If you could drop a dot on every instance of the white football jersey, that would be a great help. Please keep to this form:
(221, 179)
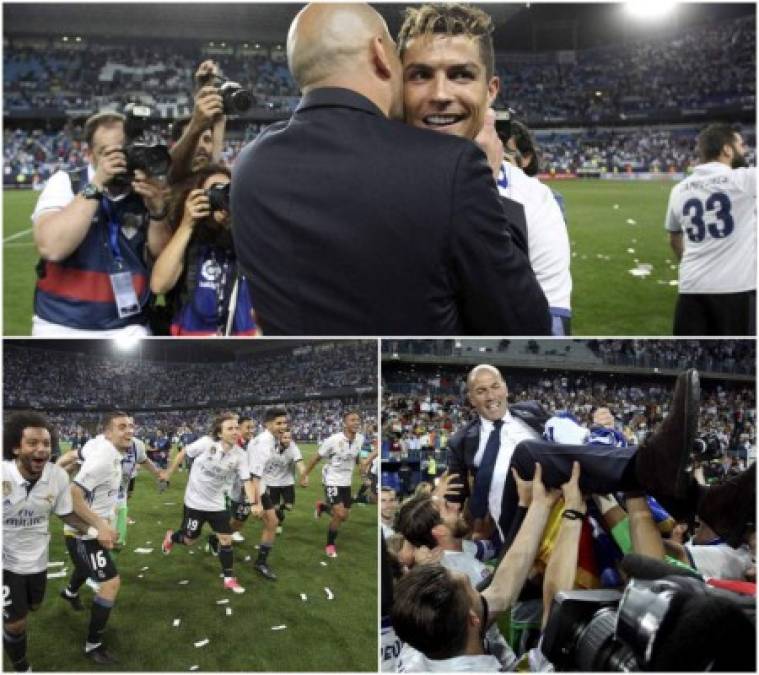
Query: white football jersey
(547, 238)
(260, 448)
(26, 516)
(340, 455)
(100, 477)
(136, 454)
(212, 473)
(279, 467)
(715, 209)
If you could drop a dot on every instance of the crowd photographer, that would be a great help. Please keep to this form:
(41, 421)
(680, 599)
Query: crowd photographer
(197, 270)
(97, 232)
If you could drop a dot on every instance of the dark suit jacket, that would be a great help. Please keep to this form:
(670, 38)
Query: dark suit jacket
(348, 223)
(462, 446)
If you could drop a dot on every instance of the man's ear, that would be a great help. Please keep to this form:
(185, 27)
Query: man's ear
(494, 86)
(380, 59)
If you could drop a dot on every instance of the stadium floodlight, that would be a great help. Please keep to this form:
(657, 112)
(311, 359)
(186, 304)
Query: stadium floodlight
(649, 9)
(126, 343)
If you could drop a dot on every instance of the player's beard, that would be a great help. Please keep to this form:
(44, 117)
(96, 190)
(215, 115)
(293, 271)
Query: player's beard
(739, 161)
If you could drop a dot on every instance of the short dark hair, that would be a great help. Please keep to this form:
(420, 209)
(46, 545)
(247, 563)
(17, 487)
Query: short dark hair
(219, 420)
(430, 609)
(100, 119)
(273, 413)
(415, 520)
(13, 430)
(715, 137)
(348, 413)
(244, 418)
(114, 414)
(450, 19)
(526, 146)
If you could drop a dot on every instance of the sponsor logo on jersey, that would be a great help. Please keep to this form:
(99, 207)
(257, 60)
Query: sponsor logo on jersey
(7, 488)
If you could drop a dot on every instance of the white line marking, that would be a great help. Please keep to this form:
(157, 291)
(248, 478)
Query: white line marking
(18, 235)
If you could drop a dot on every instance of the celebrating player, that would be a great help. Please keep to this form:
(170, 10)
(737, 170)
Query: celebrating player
(97, 483)
(261, 452)
(32, 490)
(217, 460)
(340, 450)
(280, 478)
(237, 503)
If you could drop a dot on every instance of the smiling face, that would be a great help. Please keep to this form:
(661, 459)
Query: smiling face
(229, 431)
(446, 87)
(352, 424)
(34, 452)
(120, 432)
(277, 426)
(488, 393)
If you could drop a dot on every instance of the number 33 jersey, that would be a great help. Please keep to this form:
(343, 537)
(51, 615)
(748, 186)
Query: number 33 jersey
(340, 456)
(715, 209)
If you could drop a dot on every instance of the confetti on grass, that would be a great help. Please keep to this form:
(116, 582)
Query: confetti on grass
(143, 551)
(329, 593)
(282, 627)
(223, 602)
(321, 562)
(57, 575)
(202, 643)
(229, 611)
(55, 564)
(184, 582)
(303, 597)
(176, 623)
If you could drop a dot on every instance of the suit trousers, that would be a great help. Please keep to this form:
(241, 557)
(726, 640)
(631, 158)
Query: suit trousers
(603, 469)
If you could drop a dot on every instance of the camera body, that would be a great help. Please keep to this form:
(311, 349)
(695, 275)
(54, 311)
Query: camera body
(218, 197)
(234, 97)
(154, 159)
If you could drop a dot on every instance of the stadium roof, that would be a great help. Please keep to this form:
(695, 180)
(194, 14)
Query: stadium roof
(519, 26)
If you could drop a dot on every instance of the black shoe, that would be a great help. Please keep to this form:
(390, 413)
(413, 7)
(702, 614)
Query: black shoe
(101, 656)
(265, 571)
(75, 602)
(728, 508)
(661, 463)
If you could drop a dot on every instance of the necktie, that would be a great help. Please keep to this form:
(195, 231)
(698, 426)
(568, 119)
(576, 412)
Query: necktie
(478, 502)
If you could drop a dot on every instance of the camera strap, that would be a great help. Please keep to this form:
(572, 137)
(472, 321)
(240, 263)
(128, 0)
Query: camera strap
(127, 302)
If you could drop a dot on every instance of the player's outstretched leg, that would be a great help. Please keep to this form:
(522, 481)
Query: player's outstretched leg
(267, 541)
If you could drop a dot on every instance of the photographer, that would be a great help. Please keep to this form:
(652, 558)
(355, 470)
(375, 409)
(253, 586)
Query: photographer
(208, 295)
(202, 136)
(95, 231)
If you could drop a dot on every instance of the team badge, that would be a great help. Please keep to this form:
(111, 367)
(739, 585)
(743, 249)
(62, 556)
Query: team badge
(50, 498)
(7, 488)
(213, 450)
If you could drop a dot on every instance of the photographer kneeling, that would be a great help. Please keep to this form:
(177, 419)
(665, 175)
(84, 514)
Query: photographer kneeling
(198, 268)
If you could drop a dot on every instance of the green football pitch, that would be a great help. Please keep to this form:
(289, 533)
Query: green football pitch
(319, 634)
(613, 228)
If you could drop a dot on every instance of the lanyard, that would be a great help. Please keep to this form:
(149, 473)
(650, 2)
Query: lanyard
(113, 229)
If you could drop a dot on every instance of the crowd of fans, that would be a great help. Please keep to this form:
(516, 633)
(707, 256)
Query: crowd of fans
(39, 378)
(719, 356)
(706, 67)
(310, 421)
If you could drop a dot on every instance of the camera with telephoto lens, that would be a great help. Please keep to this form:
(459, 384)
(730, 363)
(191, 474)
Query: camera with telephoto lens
(234, 97)
(154, 159)
(708, 447)
(218, 196)
(609, 631)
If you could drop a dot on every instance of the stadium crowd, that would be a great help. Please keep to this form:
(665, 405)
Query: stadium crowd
(39, 378)
(719, 356)
(471, 586)
(612, 84)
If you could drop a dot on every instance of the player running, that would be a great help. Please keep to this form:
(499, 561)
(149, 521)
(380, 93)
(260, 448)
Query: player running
(340, 450)
(33, 488)
(217, 461)
(261, 452)
(279, 475)
(97, 483)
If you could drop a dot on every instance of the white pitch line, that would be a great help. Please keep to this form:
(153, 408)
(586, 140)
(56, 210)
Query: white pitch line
(18, 235)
